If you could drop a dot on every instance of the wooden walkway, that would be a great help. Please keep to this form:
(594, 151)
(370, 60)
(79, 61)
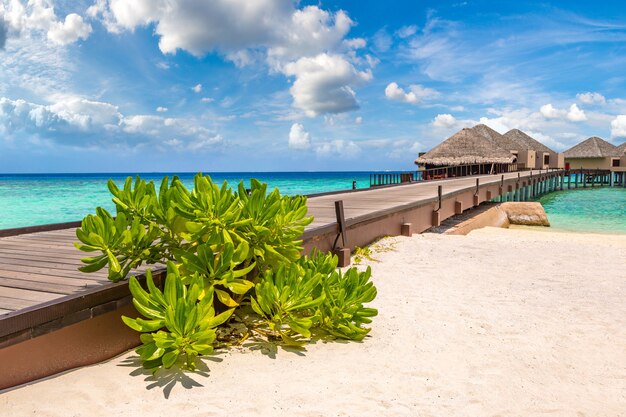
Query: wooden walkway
(37, 268)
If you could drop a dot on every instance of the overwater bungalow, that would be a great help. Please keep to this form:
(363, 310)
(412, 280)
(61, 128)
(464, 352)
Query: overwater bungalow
(470, 151)
(487, 151)
(596, 153)
(533, 154)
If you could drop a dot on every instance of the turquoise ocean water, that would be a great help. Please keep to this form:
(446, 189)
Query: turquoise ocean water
(592, 210)
(29, 200)
(34, 199)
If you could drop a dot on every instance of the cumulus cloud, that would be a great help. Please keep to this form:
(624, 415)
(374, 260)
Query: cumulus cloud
(416, 94)
(308, 43)
(298, 137)
(197, 88)
(161, 109)
(77, 121)
(69, 31)
(575, 114)
(324, 84)
(444, 120)
(358, 120)
(39, 16)
(550, 112)
(618, 127)
(207, 99)
(591, 98)
(231, 25)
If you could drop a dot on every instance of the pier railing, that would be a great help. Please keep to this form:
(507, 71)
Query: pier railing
(391, 178)
(466, 171)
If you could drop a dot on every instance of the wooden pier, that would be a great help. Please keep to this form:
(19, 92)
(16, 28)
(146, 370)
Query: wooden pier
(47, 306)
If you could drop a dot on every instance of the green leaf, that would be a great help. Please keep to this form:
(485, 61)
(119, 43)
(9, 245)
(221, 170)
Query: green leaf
(225, 298)
(169, 359)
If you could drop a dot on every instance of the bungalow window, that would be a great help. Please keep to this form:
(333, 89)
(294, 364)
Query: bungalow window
(615, 163)
(546, 159)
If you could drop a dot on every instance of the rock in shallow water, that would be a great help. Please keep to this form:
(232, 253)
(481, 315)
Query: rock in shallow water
(526, 213)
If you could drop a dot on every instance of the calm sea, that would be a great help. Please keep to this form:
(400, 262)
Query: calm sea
(34, 199)
(593, 210)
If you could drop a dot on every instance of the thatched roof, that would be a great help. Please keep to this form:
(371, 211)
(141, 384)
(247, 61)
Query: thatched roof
(621, 149)
(468, 146)
(526, 142)
(593, 147)
(497, 138)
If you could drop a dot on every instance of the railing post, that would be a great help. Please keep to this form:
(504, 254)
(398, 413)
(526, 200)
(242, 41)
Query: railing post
(436, 216)
(343, 253)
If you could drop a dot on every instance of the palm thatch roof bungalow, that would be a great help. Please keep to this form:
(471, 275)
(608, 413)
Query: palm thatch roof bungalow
(487, 151)
(621, 148)
(532, 153)
(470, 151)
(595, 153)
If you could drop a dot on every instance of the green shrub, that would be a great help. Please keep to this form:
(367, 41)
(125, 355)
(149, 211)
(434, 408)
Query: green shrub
(226, 251)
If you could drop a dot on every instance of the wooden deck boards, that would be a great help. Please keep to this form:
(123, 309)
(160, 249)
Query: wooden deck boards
(39, 267)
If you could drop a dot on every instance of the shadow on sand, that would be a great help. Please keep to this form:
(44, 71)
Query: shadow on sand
(167, 379)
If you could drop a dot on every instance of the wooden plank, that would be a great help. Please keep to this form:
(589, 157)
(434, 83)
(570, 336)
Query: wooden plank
(14, 304)
(47, 271)
(28, 295)
(19, 257)
(64, 280)
(2, 311)
(54, 248)
(44, 255)
(29, 261)
(48, 287)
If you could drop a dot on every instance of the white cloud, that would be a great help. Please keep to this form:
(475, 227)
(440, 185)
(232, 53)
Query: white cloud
(358, 120)
(575, 114)
(308, 42)
(298, 137)
(228, 26)
(406, 31)
(197, 88)
(416, 95)
(618, 127)
(324, 84)
(591, 98)
(207, 99)
(39, 16)
(77, 121)
(338, 147)
(444, 120)
(161, 109)
(550, 112)
(311, 31)
(69, 31)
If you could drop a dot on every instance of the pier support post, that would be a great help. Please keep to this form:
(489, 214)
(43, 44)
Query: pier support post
(406, 229)
(436, 219)
(489, 196)
(458, 207)
(611, 182)
(343, 257)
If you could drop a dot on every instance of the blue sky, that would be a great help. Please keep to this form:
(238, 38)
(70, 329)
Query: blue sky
(274, 85)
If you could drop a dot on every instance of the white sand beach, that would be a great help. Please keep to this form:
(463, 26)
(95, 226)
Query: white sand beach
(497, 323)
